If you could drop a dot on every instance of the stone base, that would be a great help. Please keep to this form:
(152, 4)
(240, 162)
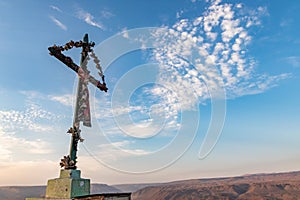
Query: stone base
(68, 185)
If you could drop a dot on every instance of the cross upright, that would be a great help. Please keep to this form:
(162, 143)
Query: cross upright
(82, 107)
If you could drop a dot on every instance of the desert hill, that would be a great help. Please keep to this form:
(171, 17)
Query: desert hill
(21, 192)
(277, 186)
(259, 186)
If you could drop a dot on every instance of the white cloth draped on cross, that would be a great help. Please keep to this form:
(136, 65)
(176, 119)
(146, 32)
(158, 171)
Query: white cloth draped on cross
(83, 112)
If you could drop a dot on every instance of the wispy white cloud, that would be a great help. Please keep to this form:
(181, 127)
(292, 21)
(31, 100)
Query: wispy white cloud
(31, 94)
(11, 144)
(117, 150)
(179, 13)
(55, 8)
(12, 120)
(196, 56)
(108, 111)
(204, 53)
(59, 23)
(125, 33)
(89, 19)
(141, 129)
(293, 60)
(106, 14)
(141, 119)
(33, 117)
(65, 99)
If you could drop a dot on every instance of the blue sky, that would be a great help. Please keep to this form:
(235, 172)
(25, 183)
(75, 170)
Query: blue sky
(182, 76)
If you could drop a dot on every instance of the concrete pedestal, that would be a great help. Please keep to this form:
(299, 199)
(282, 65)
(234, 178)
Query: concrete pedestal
(68, 185)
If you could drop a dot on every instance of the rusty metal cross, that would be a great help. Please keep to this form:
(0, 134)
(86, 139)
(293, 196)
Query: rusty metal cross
(82, 108)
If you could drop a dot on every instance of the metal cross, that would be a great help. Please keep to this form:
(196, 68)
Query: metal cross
(82, 108)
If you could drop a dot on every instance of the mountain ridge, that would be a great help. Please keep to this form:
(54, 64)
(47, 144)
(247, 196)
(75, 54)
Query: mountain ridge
(282, 185)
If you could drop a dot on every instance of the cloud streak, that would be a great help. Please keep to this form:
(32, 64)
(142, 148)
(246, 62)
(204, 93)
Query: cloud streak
(106, 14)
(66, 99)
(114, 151)
(55, 8)
(293, 60)
(89, 19)
(59, 23)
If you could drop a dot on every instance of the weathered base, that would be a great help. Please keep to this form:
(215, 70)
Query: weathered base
(67, 186)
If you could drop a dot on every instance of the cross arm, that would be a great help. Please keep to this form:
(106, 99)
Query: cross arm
(56, 52)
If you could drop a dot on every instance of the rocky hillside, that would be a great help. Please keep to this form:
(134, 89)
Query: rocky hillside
(283, 186)
(21, 192)
(261, 186)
